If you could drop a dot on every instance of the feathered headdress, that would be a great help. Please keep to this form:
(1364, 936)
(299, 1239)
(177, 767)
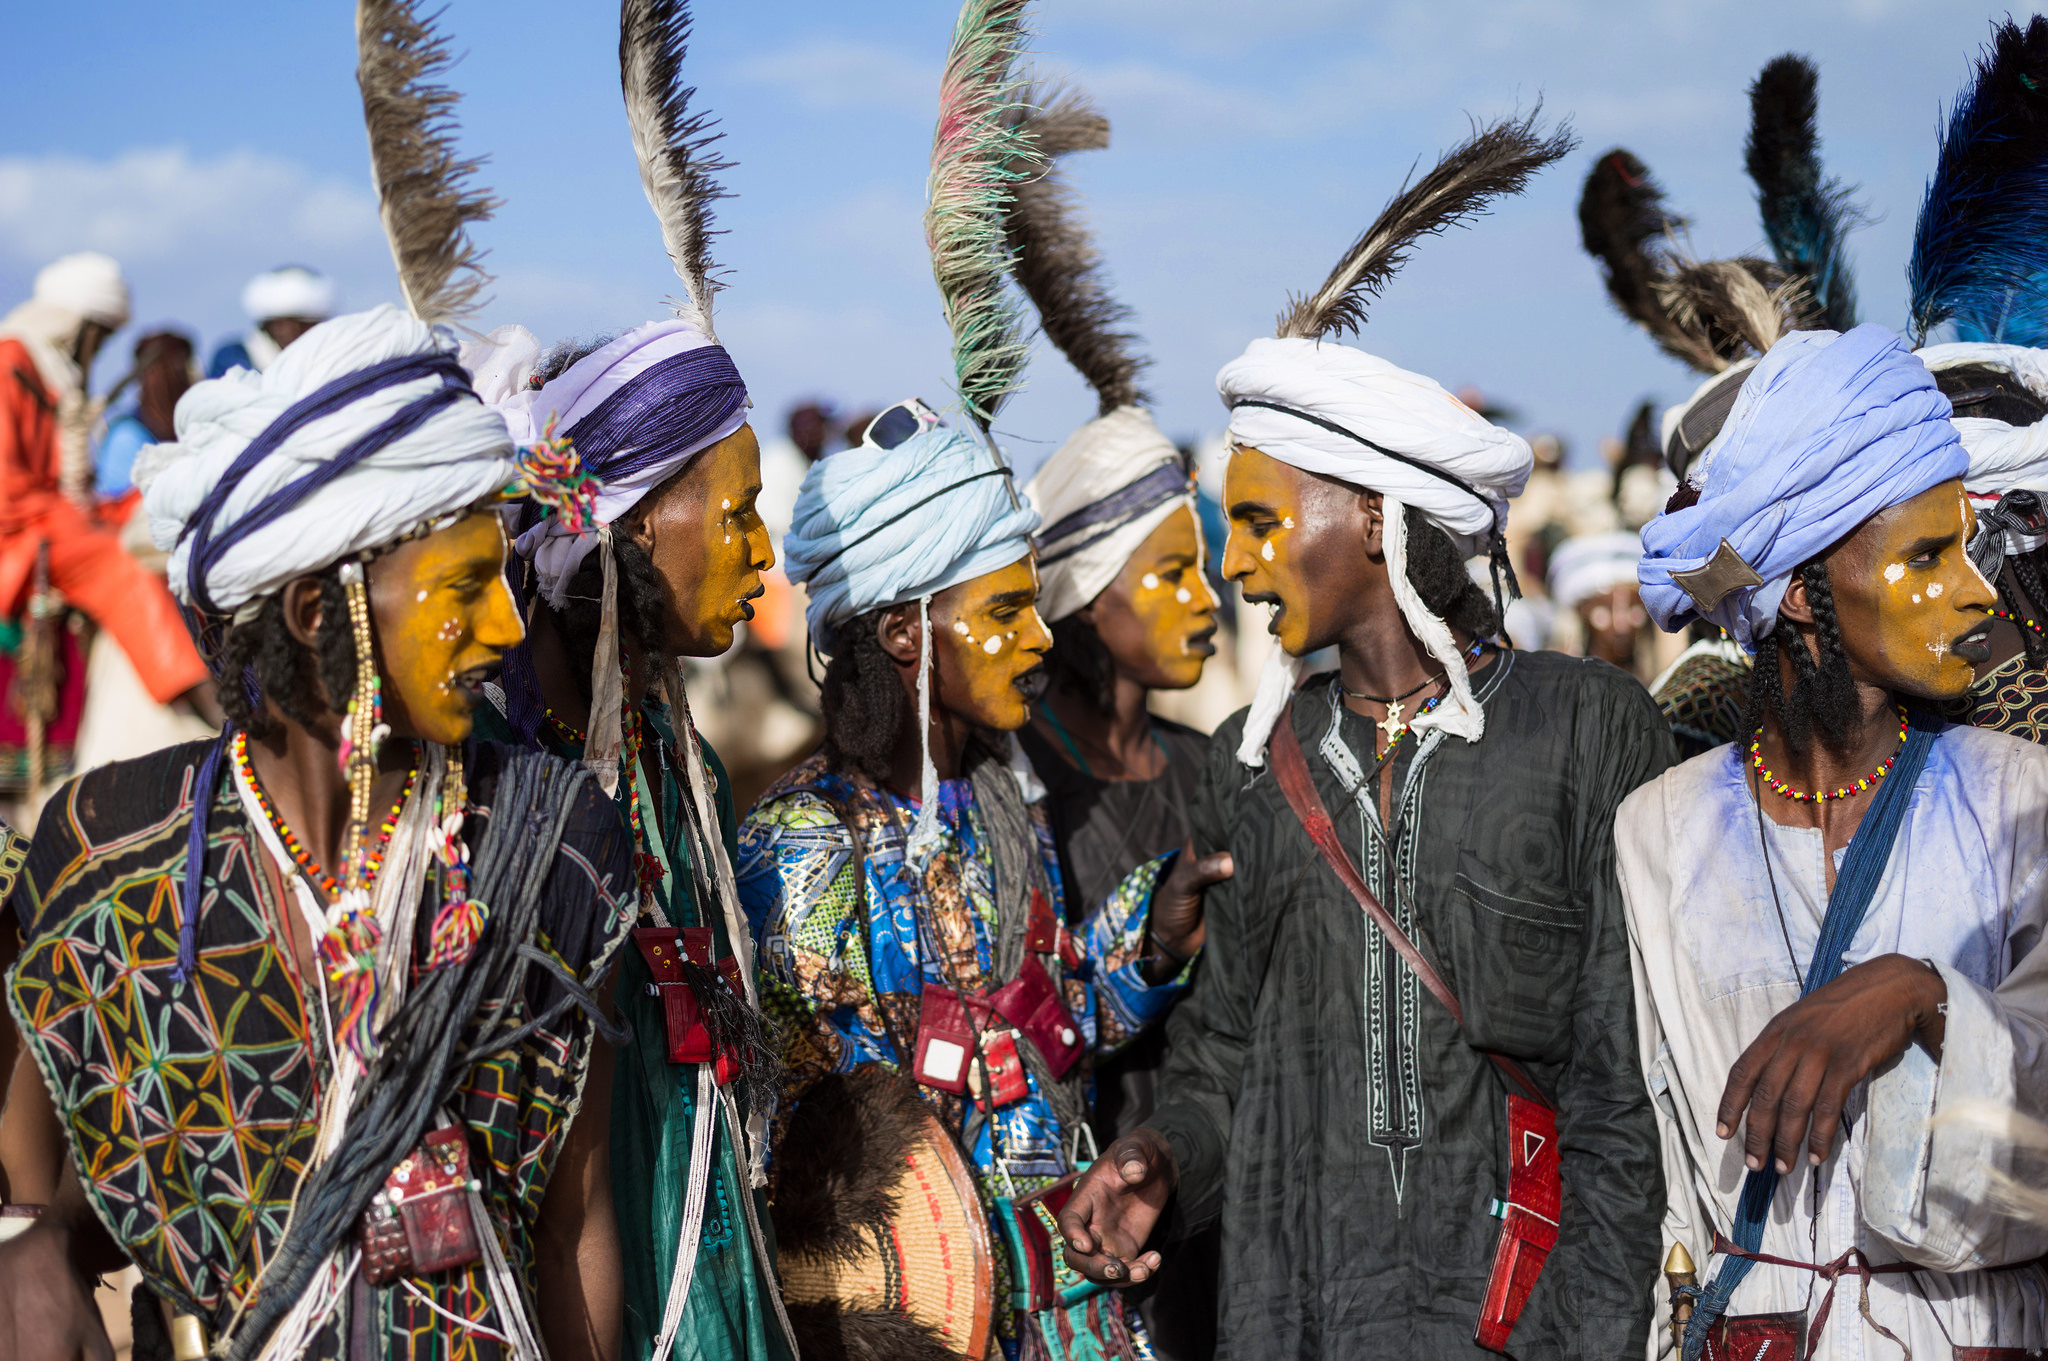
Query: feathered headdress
(1806, 216)
(1056, 264)
(1980, 248)
(1707, 314)
(979, 154)
(672, 145)
(1495, 161)
(424, 192)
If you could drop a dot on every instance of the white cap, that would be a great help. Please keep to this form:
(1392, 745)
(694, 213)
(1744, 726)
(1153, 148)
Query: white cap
(289, 291)
(88, 284)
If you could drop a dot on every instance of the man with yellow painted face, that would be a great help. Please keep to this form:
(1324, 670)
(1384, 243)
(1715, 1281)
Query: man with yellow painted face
(1837, 921)
(903, 881)
(1331, 1098)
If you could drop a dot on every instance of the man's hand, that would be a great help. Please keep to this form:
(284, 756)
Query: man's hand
(1803, 1065)
(1114, 1206)
(1176, 921)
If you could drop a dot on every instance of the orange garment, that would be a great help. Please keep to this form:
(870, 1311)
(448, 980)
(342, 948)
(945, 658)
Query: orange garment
(88, 566)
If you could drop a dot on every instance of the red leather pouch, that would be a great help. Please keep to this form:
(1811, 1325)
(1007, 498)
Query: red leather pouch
(945, 1041)
(420, 1222)
(1030, 1003)
(1041, 927)
(1005, 1071)
(1528, 1220)
(1762, 1337)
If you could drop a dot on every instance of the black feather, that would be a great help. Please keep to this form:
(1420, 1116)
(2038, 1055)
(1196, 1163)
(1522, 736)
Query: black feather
(1624, 224)
(1495, 161)
(1806, 216)
(1980, 248)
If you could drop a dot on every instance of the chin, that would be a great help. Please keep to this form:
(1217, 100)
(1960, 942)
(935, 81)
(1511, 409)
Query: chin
(450, 728)
(1007, 715)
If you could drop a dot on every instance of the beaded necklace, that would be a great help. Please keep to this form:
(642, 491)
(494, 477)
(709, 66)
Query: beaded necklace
(647, 867)
(329, 886)
(1786, 791)
(2012, 618)
(565, 730)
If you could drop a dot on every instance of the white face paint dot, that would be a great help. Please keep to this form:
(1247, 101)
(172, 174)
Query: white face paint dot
(1150, 581)
(960, 627)
(421, 597)
(1266, 550)
(1894, 572)
(1934, 591)
(992, 646)
(1183, 595)
(1916, 599)
(1287, 522)
(726, 504)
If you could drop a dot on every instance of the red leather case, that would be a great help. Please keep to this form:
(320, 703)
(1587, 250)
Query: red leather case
(1528, 1227)
(689, 1040)
(945, 1041)
(420, 1223)
(1005, 1071)
(1030, 1003)
(1764, 1337)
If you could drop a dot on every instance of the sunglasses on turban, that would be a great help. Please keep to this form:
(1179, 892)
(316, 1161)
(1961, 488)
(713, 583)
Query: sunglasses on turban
(899, 423)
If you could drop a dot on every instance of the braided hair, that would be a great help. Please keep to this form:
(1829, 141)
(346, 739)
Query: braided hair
(1080, 664)
(1823, 695)
(1438, 574)
(642, 608)
(862, 700)
(2023, 592)
(260, 658)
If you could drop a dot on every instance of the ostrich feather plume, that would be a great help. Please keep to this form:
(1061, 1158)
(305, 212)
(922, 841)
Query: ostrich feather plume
(1624, 224)
(1806, 216)
(1056, 263)
(979, 154)
(1497, 160)
(424, 192)
(1980, 248)
(1735, 306)
(672, 145)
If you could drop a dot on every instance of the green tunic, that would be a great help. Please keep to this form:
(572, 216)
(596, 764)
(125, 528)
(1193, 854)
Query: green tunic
(731, 1311)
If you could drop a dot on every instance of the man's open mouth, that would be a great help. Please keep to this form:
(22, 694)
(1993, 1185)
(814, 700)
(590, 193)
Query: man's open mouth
(1032, 684)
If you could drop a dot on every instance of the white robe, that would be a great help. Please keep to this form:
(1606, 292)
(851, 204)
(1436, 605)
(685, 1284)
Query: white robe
(1967, 888)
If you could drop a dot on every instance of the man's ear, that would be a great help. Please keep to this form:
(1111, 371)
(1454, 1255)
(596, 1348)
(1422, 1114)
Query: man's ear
(1797, 606)
(897, 631)
(302, 610)
(1372, 507)
(636, 526)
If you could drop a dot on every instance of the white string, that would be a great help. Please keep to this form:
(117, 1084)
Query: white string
(1459, 714)
(458, 1320)
(692, 1227)
(924, 833)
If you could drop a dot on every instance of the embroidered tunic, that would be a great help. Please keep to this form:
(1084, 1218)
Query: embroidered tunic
(1967, 888)
(1350, 1138)
(193, 1110)
(847, 984)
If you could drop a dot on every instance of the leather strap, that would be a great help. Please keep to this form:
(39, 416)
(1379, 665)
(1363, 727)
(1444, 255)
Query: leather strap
(1290, 769)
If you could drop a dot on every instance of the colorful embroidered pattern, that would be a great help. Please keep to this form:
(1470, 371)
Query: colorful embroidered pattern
(1704, 701)
(2013, 699)
(195, 1107)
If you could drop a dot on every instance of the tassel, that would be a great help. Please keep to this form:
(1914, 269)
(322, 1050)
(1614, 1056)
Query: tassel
(607, 683)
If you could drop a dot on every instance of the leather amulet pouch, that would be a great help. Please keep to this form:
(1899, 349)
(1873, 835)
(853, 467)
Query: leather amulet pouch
(666, 950)
(1031, 1003)
(1005, 1071)
(420, 1222)
(1031, 1224)
(1528, 1219)
(1758, 1337)
(945, 1041)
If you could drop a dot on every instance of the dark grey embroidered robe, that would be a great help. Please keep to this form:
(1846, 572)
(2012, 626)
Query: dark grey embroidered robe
(1327, 1108)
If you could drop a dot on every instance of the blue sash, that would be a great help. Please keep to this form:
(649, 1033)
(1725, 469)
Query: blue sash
(1869, 851)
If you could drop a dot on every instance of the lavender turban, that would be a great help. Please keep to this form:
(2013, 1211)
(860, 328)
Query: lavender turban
(1830, 429)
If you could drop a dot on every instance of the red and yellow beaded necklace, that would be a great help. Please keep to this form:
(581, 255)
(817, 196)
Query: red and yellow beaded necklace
(373, 854)
(2012, 618)
(1786, 791)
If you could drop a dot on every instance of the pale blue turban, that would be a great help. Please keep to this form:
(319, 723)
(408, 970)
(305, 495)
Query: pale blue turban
(1829, 430)
(877, 527)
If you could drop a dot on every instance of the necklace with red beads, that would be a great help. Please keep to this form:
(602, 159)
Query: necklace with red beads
(565, 730)
(2012, 618)
(1855, 787)
(329, 886)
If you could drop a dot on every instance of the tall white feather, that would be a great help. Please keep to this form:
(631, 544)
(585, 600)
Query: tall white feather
(672, 146)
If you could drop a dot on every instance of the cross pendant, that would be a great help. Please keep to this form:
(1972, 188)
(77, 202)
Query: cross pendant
(1392, 725)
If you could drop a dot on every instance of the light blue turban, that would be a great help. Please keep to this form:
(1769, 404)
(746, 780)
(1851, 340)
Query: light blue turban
(1829, 430)
(876, 527)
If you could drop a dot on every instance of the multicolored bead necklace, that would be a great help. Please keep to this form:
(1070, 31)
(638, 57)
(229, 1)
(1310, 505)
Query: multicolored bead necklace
(2012, 618)
(1786, 791)
(567, 731)
(373, 854)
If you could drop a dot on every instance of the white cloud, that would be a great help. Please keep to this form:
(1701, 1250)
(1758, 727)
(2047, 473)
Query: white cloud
(835, 74)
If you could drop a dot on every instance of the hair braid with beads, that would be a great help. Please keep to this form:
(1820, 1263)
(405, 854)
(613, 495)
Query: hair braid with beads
(1823, 695)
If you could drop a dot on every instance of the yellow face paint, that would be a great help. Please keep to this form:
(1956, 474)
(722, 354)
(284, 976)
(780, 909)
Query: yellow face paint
(1159, 616)
(987, 636)
(708, 544)
(443, 616)
(1910, 603)
(1262, 498)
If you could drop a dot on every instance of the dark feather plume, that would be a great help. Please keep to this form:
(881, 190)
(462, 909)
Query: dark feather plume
(1624, 224)
(1735, 306)
(1056, 263)
(423, 191)
(1497, 160)
(840, 1156)
(1980, 248)
(1806, 216)
(672, 145)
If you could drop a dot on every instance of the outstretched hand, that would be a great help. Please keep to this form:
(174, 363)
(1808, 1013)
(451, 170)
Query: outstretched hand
(1177, 923)
(1804, 1064)
(1114, 1206)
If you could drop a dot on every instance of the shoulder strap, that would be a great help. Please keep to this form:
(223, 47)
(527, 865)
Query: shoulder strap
(1290, 769)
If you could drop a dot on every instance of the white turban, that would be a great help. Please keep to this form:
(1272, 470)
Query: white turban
(454, 455)
(2003, 457)
(1113, 482)
(1340, 412)
(88, 284)
(1593, 564)
(292, 291)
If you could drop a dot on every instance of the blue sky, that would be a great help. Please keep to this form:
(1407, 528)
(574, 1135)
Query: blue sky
(1251, 142)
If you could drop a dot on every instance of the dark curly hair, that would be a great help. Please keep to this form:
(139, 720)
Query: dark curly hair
(260, 659)
(1080, 664)
(1438, 574)
(1823, 697)
(862, 699)
(643, 611)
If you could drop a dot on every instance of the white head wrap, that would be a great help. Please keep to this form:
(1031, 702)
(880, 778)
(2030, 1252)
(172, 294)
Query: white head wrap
(69, 292)
(290, 291)
(504, 362)
(457, 456)
(1593, 564)
(2003, 457)
(1108, 455)
(1401, 435)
